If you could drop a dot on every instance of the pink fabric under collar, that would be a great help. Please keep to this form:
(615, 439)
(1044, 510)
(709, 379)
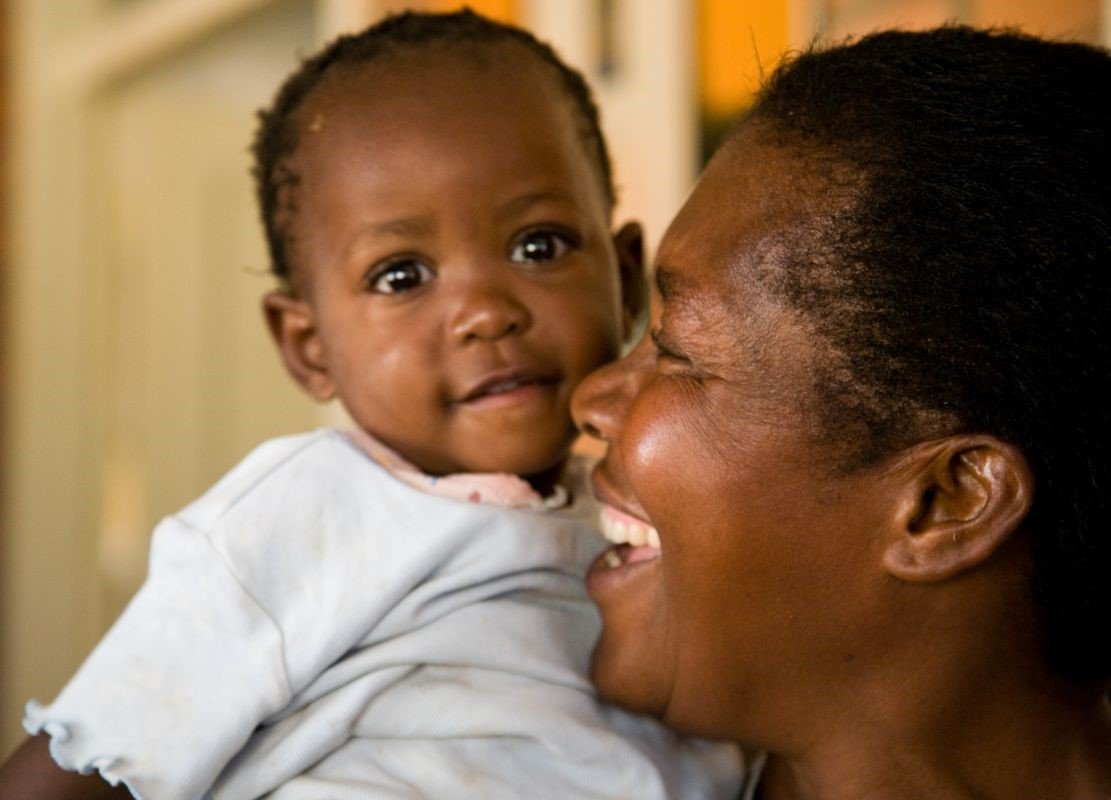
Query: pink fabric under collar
(494, 488)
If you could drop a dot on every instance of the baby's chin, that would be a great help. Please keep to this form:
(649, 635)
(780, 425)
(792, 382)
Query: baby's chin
(534, 460)
(542, 471)
(538, 458)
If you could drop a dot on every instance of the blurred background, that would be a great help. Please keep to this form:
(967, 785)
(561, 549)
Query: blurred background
(134, 368)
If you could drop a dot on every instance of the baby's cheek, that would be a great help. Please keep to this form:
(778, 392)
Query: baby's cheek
(601, 342)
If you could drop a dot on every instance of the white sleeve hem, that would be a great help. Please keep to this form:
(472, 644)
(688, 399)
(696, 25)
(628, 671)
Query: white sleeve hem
(35, 723)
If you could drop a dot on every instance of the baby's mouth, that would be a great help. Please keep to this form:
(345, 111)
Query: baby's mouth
(636, 540)
(500, 387)
(506, 383)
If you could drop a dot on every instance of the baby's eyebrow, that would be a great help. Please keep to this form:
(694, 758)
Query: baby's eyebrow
(403, 226)
(419, 227)
(523, 202)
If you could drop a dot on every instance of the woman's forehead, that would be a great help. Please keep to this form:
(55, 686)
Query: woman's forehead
(743, 192)
(765, 209)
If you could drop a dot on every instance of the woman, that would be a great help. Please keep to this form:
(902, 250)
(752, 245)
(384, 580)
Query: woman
(868, 428)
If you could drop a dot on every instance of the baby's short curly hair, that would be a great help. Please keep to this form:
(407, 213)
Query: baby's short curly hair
(277, 136)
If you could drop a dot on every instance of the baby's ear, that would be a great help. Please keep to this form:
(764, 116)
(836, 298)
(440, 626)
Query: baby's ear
(629, 244)
(293, 325)
(963, 497)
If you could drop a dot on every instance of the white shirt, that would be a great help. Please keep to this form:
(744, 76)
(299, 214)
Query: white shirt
(316, 629)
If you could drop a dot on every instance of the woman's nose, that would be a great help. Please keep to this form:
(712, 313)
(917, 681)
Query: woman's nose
(488, 313)
(599, 404)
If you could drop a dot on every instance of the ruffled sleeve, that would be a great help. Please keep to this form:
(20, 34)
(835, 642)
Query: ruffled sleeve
(177, 685)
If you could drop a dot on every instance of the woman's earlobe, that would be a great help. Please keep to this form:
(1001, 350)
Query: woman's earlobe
(292, 326)
(965, 497)
(628, 243)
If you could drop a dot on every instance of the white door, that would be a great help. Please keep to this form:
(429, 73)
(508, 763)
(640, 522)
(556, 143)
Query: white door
(139, 365)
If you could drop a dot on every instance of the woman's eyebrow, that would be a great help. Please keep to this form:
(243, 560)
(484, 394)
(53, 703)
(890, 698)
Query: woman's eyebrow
(664, 282)
(669, 283)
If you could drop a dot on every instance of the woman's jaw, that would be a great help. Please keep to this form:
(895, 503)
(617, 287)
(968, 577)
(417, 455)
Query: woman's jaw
(631, 663)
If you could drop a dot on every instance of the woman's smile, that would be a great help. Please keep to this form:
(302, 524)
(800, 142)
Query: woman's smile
(636, 546)
(621, 528)
(623, 524)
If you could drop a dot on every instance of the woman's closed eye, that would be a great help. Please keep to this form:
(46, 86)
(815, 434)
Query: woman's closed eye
(665, 350)
(398, 276)
(539, 246)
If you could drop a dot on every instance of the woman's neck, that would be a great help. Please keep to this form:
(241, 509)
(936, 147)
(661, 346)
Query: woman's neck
(948, 696)
(1020, 741)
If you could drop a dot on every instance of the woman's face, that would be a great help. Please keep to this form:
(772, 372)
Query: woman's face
(766, 570)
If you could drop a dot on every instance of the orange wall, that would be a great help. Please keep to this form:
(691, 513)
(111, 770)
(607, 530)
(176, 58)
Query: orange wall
(737, 43)
(1070, 18)
(740, 41)
(1078, 19)
(504, 10)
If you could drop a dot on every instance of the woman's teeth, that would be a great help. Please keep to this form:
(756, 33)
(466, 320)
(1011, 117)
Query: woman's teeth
(634, 540)
(620, 528)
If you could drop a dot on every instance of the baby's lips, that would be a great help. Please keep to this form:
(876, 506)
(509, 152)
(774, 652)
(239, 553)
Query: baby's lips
(503, 380)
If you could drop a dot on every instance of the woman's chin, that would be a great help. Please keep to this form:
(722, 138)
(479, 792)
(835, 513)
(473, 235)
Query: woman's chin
(632, 661)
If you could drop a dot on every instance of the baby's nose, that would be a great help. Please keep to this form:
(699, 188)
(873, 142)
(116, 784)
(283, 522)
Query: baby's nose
(487, 313)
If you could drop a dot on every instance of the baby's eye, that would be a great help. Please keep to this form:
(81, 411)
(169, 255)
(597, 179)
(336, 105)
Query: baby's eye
(536, 247)
(399, 276)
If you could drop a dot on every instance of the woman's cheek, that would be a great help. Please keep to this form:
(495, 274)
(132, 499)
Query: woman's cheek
(675, 467)
(653, 453)
(666, 457)
(634, 661)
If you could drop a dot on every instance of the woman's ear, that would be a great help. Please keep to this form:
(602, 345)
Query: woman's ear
(292, 324)
(629, 244)
(964, 497)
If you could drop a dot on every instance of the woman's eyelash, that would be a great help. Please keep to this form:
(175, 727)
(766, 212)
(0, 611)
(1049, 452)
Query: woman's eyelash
(662, 348)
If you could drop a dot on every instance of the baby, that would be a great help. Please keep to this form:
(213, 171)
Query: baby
(399, 611)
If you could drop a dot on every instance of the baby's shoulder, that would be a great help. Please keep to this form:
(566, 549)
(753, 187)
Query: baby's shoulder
(281, 471)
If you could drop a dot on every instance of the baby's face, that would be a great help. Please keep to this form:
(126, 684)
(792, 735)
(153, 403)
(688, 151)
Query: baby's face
(453, 265)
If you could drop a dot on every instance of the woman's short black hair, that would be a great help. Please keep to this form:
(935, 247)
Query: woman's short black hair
(410, 32)
(963, 283)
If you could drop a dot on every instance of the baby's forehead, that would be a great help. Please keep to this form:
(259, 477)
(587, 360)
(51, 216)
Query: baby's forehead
(436, 62)
(407, 94)
(435, 108)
